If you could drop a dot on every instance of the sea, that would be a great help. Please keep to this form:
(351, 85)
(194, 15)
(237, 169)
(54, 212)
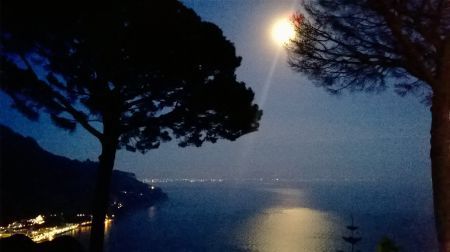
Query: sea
(276, 215)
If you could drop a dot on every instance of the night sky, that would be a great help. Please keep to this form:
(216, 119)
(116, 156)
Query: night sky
(305, 133)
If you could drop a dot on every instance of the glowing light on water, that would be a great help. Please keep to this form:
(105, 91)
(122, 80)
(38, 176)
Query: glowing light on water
(291, 229)
(49, 234)
(288, 226)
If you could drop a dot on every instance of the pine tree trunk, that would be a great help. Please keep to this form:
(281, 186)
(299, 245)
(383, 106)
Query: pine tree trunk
(101, 197)
(440, 154)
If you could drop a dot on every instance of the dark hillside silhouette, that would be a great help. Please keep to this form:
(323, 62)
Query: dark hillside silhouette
(134, 74)
(34, 181)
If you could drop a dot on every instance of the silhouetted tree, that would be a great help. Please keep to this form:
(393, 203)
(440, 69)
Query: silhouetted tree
(132, 73)
(368, 45)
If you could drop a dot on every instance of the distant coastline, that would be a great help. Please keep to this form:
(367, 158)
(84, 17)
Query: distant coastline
(47, 195)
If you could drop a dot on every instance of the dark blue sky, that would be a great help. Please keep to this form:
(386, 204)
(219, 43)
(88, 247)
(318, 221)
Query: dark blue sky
(304, 134)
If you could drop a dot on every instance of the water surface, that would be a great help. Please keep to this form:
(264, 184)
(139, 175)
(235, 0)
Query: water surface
(276, 216)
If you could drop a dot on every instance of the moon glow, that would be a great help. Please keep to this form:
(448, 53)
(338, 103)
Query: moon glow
(283, 31)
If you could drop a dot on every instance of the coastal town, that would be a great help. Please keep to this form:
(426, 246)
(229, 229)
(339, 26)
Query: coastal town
(47, 227)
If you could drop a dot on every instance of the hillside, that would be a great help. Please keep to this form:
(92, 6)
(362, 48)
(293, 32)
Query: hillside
(34, 181)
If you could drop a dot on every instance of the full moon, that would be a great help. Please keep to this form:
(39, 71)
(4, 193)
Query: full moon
(282, 31)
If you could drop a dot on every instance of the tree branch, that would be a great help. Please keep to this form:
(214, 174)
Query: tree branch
(79, 116)
(414, 59)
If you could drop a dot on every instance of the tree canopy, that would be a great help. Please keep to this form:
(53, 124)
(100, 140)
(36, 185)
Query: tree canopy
(369, 45)
(155, 64)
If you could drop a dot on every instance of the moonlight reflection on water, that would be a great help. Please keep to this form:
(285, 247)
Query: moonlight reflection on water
(290, 228)
(293, 229)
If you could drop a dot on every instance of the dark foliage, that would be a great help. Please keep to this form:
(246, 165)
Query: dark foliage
(387, 245)
(369, 45)
(152, 67)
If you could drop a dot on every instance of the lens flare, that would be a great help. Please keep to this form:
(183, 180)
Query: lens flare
(283, 31)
